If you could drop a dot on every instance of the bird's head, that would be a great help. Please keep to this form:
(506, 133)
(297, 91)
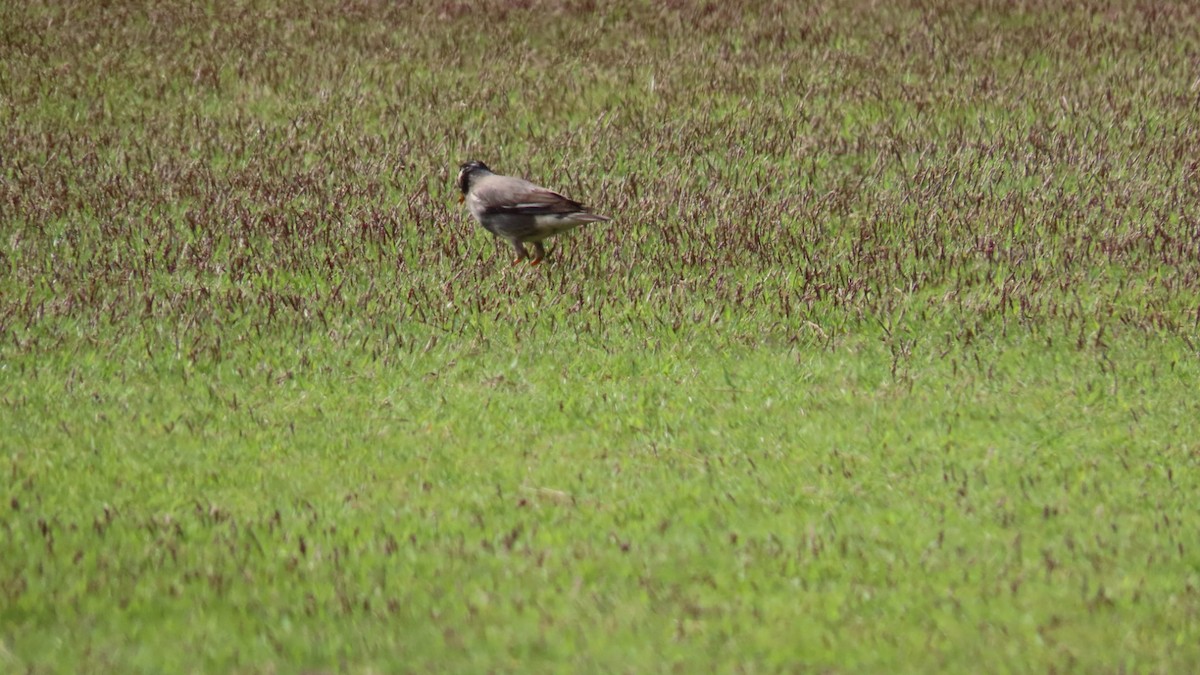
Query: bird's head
(467, 172)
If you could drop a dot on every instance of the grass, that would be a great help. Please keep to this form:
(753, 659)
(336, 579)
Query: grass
(886, 364)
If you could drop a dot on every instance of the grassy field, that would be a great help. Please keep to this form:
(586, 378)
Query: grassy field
(888, 361)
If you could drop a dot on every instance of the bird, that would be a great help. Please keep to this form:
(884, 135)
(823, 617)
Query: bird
(519, 211)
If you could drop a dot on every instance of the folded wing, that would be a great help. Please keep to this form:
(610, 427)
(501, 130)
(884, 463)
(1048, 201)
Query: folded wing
(526, 199)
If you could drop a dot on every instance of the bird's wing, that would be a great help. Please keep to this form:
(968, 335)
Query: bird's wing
(520, 197)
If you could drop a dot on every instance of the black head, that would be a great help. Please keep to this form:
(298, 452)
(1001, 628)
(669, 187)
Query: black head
(466, 171)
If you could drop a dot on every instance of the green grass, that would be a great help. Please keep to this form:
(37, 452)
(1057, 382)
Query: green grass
(887, 362)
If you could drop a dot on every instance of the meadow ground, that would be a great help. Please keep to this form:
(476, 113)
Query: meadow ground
(887, 362)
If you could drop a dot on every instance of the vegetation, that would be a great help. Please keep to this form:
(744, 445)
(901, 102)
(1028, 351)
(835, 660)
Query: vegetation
(887, 362)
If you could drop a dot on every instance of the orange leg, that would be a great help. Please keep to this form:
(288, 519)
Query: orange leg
(522, 254)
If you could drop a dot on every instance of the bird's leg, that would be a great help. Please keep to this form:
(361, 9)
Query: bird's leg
(539, 253)
(522, 254)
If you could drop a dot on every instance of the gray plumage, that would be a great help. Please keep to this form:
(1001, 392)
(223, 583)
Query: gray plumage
(519, 211)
